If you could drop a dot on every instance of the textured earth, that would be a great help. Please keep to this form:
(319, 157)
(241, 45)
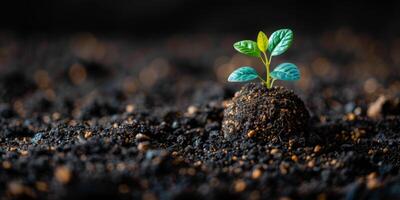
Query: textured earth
(85, 116)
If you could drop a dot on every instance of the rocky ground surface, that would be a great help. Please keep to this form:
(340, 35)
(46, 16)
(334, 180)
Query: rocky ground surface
(87, 116)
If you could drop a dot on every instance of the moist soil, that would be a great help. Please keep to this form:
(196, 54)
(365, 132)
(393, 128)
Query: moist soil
(266, 114)
(85, 117)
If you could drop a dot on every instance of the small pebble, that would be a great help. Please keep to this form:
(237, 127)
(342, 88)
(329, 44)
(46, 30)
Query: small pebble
(87, 134)
(7, 165)
(239, 185)
(294, 158)
(41, 186)
(374, 110)
(274, 151)
(192, 110)
(143, 146)
(311, 163)
(141, 137)
(251, 133)
(130, 108)
(15, 188)
(317, 148)
(372, 181)
(63, 174)
(256, 174)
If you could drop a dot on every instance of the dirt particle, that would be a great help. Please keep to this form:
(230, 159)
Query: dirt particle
(239, 185)
(130, 108)
(385, 150)
(63, 174)
(24, 153)
(294, 158)
(192, 110)
(87, 134)
(317, 148)
(311, 163)
(375, 108)
(350, 116)
(256, 174)
(141, 137)
(174, 154)
(6, 165)
(251, 133)
(77, 74)
(41, 186)
(143, 146)
(115, 125)
(283, 167)
(15, 188)
(372, 181)
(197, 163)
(274, 151)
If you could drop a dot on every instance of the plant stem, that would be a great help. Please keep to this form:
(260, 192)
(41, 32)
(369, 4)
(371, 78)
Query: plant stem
(267, 63)
(272, 82)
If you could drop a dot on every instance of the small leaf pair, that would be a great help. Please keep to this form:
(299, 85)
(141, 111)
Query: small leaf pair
(284, 71)
(276, 45)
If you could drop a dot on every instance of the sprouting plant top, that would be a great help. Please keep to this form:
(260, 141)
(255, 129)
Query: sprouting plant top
(277, 44)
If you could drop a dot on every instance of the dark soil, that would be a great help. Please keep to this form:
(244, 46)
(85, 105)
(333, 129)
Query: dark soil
(266, 114)
(86, 117)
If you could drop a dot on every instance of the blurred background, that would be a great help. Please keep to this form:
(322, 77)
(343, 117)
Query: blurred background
(65, 56)
(162, 18)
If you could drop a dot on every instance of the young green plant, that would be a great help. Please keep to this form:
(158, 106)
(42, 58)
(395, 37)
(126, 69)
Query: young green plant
(265, 49)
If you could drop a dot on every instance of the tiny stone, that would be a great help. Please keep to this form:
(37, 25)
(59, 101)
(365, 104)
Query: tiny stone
(41, 186)
(175, 124)
(351, 117)
(6, 165)
(274, 151)
(87, 134)
(357, 111)
(192, 110)
(15, 188)
(311, 164)
(63, 174)
(141, 137)
(317, 148)
(130, 108)
(283, 168)
(251, 133)
(239, 186)
(143, 146)
(37, 137)
(374, 110)
(174, 154)
(372, 181)
(385, 150)
(256, 174)
(294, 158)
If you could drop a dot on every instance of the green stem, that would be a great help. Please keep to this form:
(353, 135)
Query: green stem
(272, 82)
(267, 63)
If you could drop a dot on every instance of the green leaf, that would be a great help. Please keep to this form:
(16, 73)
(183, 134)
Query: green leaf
(243, 74)
(280, 41)
(286, 72)
(247, 47)
(262, 41)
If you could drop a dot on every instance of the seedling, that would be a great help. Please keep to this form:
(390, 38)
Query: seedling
(277, 44)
